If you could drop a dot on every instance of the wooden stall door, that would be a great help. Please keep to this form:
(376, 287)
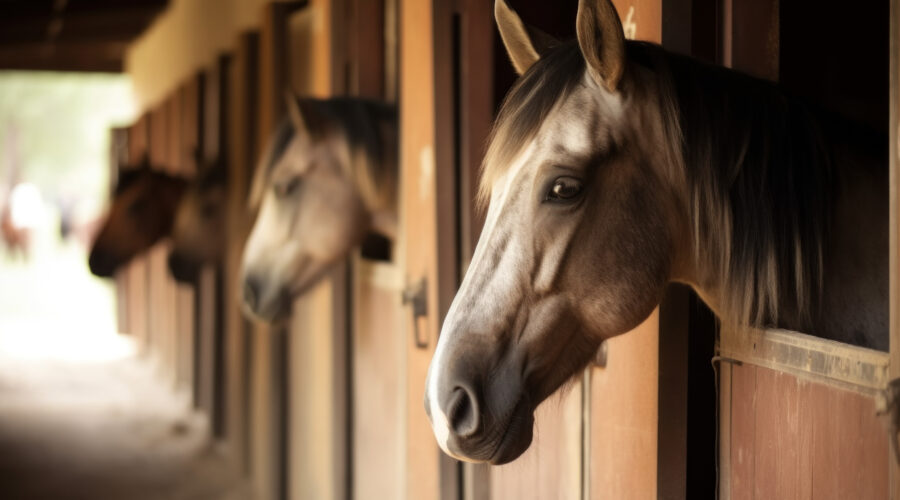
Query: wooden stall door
(797, 416)
(425, 237)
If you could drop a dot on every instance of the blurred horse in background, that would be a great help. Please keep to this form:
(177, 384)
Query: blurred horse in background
(198, 234)
(20, 214)
(326, 179)
(142, 213)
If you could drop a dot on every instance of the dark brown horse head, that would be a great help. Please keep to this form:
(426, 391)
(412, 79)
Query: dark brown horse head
(198, 235)
(142, 212)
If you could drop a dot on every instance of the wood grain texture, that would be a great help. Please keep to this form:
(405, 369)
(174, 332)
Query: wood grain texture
(379, 396)
(419, 243)
(624, 417)
(551, 468)
(796, 439)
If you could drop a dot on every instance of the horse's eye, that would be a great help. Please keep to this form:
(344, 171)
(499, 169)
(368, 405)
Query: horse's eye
(286, 188)
(564, 189)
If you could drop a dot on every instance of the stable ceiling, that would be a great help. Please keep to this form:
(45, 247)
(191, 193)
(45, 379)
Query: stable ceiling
(71, 35)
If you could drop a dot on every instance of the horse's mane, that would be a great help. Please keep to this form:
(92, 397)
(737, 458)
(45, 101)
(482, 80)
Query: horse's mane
(360, 121)
(758, 168)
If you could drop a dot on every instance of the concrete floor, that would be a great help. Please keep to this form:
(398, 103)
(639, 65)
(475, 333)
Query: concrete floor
(103, 429)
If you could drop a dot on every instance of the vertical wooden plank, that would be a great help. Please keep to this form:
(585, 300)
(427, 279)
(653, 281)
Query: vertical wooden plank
(378, 389)
(138, 148)
(743, 432)
(157, 273)
(191, 107)
(243, 97)
(850, 454)
(779, 439)
(419, 217)
(894, 259)
(118, 160)
(624, 417)
(551, 467)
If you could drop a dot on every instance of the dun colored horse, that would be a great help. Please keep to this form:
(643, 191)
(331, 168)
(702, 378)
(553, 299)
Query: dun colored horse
(615, 168)
(325, 180)
(198, 234)
(142, 212)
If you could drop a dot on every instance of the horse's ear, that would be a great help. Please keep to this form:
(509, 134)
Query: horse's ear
(602, 41)
(295, 113)
(524, 44)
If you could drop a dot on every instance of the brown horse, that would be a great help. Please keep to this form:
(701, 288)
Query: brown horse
(325, 180)
(615, 168)
(198, 234)
(142, 212)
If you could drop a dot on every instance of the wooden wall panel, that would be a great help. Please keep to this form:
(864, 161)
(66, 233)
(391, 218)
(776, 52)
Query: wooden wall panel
(797, 439)
(379, 398)
(551, 468)
(894, 228)
(243, 97)
(420, 240)
(189, 123)
(622, 442)
(138, 147)
(157, 255)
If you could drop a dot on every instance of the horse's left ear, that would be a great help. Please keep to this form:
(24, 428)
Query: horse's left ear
(525, 44)
(602, 41)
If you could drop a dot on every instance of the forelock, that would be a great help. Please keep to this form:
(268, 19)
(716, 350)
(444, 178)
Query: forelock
(548, 82)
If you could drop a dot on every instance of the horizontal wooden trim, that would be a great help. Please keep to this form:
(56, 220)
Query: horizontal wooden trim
(810, 358)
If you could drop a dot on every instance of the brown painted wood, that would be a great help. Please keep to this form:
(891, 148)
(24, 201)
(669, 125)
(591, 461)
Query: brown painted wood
(379, 398)
(622, 442)
(138, 138)
(190, 110)
(894, 256)
(420, 242)
(797, 439)
(243, 97)
(551, 468)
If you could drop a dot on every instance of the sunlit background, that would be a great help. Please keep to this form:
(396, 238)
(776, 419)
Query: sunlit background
(54, 182)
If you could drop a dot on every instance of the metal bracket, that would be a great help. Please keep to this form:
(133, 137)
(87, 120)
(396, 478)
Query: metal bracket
(887, 403)
(416, 294)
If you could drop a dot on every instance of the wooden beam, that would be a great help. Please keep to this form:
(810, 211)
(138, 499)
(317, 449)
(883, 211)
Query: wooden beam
(99, 56)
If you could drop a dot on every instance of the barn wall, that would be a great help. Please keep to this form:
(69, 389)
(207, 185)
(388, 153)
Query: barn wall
(186, 37)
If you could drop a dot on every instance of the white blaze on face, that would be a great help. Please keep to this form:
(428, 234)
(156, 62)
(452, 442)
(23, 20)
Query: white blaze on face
(488, 283)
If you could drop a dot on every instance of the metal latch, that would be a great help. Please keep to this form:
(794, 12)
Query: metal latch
(416, 295)
(887, 404)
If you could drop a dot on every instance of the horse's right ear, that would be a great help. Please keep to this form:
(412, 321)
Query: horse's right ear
(524, 44)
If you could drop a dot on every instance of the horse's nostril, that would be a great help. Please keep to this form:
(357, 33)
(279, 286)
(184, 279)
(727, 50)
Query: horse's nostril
(463, 412)
(251, 293)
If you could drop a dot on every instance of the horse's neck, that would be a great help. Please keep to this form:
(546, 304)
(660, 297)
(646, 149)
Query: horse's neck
(852, 304)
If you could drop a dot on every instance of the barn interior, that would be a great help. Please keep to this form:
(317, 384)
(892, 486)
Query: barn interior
(146, 384)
